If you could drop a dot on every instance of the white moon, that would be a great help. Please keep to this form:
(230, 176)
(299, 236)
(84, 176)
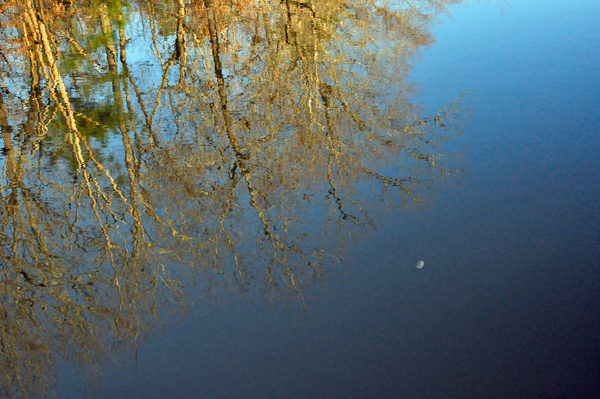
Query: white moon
(420, 264)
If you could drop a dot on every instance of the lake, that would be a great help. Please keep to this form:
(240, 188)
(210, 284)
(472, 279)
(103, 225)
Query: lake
(300, 199)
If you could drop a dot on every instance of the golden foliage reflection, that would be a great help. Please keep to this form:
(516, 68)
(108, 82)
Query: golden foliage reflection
(231, 146)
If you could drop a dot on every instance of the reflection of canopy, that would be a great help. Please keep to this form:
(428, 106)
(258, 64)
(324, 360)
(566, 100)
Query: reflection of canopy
(237, 149)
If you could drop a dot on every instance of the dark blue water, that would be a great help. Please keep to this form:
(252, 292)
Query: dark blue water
(506, 305)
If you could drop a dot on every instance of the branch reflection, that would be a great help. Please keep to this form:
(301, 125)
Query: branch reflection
(232, 146)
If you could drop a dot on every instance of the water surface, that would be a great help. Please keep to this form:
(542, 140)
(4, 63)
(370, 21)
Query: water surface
(231, 199)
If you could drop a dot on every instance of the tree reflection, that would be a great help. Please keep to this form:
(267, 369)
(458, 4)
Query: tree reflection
(233, 146)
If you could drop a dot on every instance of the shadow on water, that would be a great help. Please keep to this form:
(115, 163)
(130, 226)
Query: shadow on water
(233, 147)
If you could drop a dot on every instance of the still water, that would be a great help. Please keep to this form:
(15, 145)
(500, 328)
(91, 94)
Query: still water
(314, 199)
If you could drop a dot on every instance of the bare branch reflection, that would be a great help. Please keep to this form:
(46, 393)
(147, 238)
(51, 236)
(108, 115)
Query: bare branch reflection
(232, 147)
